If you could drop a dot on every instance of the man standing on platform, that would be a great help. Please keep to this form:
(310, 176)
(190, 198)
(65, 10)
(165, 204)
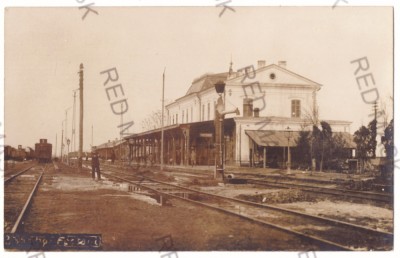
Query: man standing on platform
(95, 164)
(193, 157)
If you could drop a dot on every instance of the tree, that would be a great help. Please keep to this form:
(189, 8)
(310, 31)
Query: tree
(339, 147)
(153, 121)
(315, 145)
(362, 139)
(388, 142)
(321, 143)
(303, 148)
(372, 140)
(326, 139)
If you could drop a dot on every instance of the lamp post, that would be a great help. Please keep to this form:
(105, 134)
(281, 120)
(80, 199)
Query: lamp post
(288, 134)
(68, 142)
(219, 132)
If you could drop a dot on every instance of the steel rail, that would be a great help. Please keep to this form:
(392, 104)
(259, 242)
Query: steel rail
(325, 190)
(8, 180)
(310, 237)
(26, 206)
(336, 222)
(379, 197)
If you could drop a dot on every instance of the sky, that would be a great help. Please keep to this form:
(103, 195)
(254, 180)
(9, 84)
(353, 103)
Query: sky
(45, 46)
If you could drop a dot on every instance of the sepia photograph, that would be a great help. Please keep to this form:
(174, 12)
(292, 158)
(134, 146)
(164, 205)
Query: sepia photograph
(198, 128)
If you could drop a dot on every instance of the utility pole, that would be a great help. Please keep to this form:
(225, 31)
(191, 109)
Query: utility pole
(162, 124)
(62, 140)
(92, 136)
(55, 149)
(80, 117)
(73, 136)
(120, 137)
(375, 107)
(66, 132)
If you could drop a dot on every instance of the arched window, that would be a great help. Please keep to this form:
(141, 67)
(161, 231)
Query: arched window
(296, 108)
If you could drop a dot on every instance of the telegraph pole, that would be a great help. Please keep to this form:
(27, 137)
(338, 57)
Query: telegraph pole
(162, 123)
(55, 149)
(62, 140)
(120, 138)
(66, 132)
(73, 136)
(80, 117)
(375, 109)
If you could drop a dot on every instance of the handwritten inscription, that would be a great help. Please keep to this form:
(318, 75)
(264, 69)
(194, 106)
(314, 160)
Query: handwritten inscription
(26, 241)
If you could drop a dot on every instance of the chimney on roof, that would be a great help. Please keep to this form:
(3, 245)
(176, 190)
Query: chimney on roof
(282, 64)
(260, 64)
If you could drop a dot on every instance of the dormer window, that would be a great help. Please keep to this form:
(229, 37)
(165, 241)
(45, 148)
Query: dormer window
(296, 108)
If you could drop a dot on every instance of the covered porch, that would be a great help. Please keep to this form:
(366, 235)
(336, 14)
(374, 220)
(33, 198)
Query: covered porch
(269, 148)
(180, 141)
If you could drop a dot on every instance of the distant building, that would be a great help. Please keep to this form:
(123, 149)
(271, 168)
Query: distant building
(270, 98)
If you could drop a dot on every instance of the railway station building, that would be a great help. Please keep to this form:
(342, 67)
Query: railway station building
(274, 103)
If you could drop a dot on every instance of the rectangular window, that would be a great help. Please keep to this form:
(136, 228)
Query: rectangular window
(183, 115)
(202, 113)
(208, 111)
(187, 115)
(176, 120)
(215, 109)
(191, 114)
(295, 108)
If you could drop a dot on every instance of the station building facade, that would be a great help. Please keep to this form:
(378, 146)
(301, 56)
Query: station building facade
(271, 99)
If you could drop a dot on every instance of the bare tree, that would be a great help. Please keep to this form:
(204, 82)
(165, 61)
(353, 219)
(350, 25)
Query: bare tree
(383, 111)
(310, 122)
(153, 121)
(310, 117)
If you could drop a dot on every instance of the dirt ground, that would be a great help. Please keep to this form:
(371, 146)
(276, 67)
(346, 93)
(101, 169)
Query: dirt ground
(71, 202)
(379, 218)
(361, 214)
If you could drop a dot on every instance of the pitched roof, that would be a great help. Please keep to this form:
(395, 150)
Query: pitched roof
(109, 144)
(299, 79)
(272, 138)
(205, 82)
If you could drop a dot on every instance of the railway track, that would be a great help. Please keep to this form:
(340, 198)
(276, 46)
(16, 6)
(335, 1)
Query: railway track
(328, 233)
(382, 198)
(360, 195)
(11, 175)
(19, 190)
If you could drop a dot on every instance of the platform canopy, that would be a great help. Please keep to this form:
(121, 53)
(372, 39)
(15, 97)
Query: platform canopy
(267, 138)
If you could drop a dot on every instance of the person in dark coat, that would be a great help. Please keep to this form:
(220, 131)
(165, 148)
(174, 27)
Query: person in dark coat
(112, 157)
(95, 165)
(193, 157)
